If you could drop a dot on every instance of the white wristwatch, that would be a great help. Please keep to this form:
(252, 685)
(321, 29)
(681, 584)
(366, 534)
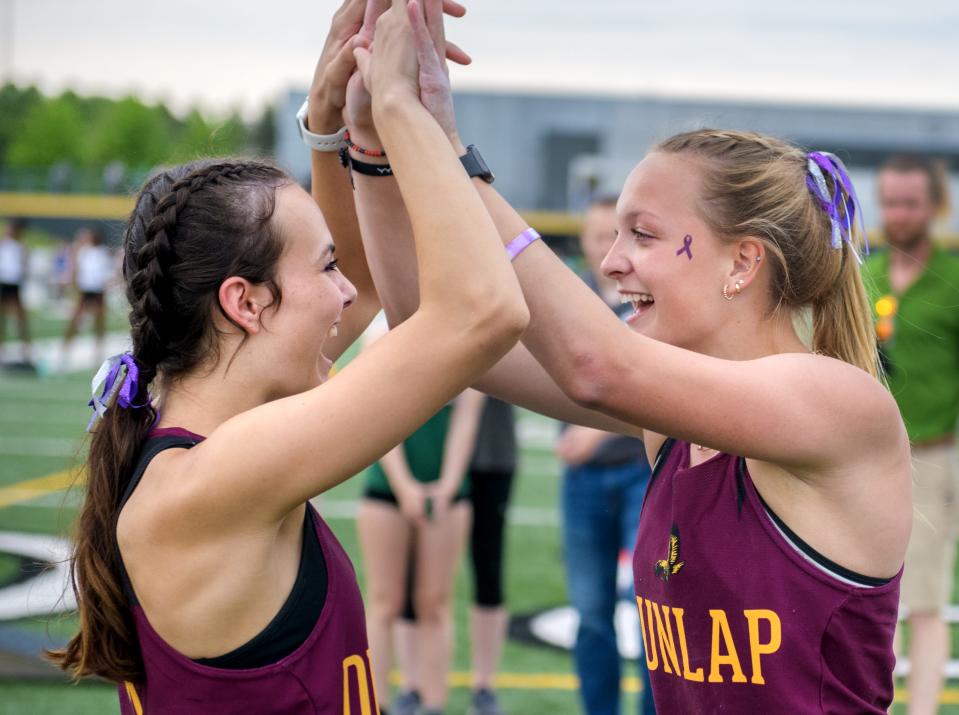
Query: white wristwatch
(318, 142)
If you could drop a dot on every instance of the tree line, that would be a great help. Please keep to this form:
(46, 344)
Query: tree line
(89, 133)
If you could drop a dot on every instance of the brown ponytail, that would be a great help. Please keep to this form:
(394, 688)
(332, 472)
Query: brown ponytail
(193, 226)
(106, 644)
(755, 185)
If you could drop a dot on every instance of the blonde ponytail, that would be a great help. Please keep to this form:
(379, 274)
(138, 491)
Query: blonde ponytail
(842, 320)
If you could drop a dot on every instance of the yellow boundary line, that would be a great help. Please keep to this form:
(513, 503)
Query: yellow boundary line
(34, 488)
(97, 206)
(118, 207)
(629, 684)
(85, 206)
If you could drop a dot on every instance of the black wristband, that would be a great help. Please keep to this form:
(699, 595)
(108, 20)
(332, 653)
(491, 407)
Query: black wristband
(361, 167)
(475, 165)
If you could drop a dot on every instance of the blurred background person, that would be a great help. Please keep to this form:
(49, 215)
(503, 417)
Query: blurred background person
(61, 276)
(490, 481)
(13, 275)
(914, 287)
(414, 518)
(93, 271)
(604, 481)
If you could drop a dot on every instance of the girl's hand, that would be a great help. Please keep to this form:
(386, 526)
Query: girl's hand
(443, 495)
(358, 112)
(426, 19)
(577, 445)
(334, 68)
(375, 8)
(411, 498)
(329, 90)
(393, 72)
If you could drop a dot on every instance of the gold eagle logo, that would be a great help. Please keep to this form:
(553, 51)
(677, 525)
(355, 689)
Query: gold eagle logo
(671, 565)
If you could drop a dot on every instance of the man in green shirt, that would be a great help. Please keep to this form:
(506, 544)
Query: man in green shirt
(914, 289)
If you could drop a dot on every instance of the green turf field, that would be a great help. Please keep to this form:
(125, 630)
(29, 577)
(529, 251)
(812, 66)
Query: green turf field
(41, 422)
(45, 325)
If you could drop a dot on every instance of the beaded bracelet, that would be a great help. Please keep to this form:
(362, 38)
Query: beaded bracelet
(359, 149)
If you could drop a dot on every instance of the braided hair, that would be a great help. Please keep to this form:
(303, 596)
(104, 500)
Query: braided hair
(192, 227)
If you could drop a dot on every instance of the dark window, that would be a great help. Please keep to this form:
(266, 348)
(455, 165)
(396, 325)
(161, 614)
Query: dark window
(559, 150)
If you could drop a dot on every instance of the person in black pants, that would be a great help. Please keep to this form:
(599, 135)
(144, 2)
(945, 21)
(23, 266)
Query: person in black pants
(491, 478)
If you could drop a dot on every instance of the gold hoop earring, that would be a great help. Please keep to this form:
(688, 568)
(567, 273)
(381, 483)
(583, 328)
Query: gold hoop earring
(738, 288)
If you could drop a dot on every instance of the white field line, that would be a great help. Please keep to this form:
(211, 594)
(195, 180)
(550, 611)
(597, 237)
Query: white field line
(19, 415)
(47, 353)
(46, 593)
(39, 446)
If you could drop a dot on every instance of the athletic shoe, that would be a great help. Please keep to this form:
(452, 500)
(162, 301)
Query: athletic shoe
(407, 703)
(484, 703)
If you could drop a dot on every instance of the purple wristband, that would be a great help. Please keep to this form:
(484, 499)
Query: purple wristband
(519, 244)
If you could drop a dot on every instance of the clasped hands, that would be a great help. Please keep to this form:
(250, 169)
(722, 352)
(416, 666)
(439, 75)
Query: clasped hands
(383, 50)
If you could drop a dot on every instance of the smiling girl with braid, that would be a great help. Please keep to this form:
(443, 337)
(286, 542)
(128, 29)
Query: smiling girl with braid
(773, 532)
(206, 582)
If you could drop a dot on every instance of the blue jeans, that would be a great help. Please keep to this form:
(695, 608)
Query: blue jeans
(601, 507)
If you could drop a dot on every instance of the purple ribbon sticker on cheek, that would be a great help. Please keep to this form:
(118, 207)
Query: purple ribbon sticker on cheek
(687, 247)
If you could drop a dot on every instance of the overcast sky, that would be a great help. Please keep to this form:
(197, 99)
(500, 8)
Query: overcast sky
(223, 54)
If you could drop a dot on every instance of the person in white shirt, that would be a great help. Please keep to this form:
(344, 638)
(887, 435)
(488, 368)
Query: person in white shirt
(93, 269)
(13, 273)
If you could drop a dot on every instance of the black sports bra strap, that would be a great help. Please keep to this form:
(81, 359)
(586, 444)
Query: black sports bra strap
(664, 449)
(151, 448)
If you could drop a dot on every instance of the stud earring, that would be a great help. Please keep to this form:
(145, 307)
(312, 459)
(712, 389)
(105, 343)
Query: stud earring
(738, 287)
(758, 259)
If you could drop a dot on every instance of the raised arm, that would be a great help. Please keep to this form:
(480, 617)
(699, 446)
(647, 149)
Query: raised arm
(753, 407)
(330, 184)
(303, 445)
(388, 240)
(330, 181)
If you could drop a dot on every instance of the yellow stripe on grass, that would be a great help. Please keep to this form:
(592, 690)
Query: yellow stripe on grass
(568, 681)
(88, 206)
(524, 681)
(33, 488)
(946, 697)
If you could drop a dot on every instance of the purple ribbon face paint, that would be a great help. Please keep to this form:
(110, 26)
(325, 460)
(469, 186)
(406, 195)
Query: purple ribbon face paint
(687, 247)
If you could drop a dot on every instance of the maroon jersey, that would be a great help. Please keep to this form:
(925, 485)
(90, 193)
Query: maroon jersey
(739, 615)
(328, 674)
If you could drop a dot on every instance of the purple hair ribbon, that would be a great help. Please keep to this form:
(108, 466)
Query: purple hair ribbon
(841, 209)
(125, 390)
